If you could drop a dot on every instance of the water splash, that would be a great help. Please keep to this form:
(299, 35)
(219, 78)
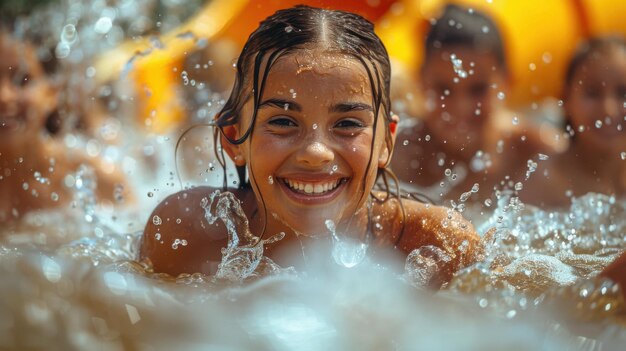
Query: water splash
(347, 252)
(423, 265)
(239, 261)
(457, 65)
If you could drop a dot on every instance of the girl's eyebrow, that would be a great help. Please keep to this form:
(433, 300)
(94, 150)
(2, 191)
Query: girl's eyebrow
(350, 106)
(282, 104)
(290, 105)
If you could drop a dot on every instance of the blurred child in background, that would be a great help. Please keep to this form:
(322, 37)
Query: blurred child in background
(467, 135)
(594, 102)
(33, 166)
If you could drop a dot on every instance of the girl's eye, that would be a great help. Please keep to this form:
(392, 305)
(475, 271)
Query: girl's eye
(592, 92)
(22, 79)
(349, 124)
(282, 122)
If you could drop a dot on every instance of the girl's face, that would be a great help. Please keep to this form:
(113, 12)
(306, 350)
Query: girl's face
(26, 96)
(460, 104)
(309, 152)
(595, 101)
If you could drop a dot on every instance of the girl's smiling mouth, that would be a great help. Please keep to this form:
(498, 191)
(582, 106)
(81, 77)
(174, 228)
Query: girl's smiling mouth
(309, 191)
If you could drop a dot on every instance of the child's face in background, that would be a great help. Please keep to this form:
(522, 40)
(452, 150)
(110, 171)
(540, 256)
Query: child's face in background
(595, 101)
(459, 105)
(312, 140)
(26, 96)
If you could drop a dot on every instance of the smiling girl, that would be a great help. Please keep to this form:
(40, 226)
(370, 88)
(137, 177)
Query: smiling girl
(309, 122)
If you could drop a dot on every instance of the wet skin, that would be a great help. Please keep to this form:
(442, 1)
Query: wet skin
(313, 138)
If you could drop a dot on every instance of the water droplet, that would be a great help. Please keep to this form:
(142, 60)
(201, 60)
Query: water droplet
(623, 155)
(511, 314)
(314, 126)
(69, 34)
(25, 186)
(532, 66)
(543, 157)
(288, 29)
(598, 124)
(157, 236)
(178, 220)
(150, 194)
(448, 172)
(54, 196)
(519, 186)
(156, 220)
(515, 120)
(501, 95)
(103, 25)
(270, 180)
(457, 65)
(546, 57)
(427, 137)
(485, 29)
(475, 188)
(183, 242)
(488, 202)
(405, 143)
(465, 196)
(335, 168)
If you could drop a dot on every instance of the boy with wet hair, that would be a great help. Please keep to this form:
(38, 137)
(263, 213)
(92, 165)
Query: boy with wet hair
(467, 136)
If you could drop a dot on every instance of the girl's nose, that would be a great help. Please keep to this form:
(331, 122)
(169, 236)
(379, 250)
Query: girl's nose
(8, 97)
(315, 154)
(611, 107)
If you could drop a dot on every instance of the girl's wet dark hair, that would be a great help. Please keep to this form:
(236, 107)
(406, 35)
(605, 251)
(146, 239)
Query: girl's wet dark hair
(304, 27)
(465, 27)
(586, 50)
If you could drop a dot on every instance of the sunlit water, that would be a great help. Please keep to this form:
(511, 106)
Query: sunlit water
(69, 279)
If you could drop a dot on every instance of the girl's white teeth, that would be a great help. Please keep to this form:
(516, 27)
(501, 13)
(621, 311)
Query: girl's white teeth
(312, 188)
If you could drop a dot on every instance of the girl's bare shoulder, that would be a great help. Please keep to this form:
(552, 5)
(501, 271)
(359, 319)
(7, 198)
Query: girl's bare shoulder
(177, 237)
(421, 216)
(415, 224)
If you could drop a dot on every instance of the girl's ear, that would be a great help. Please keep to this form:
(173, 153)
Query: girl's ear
(234, 151)
(393, 126)
(385, 154)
